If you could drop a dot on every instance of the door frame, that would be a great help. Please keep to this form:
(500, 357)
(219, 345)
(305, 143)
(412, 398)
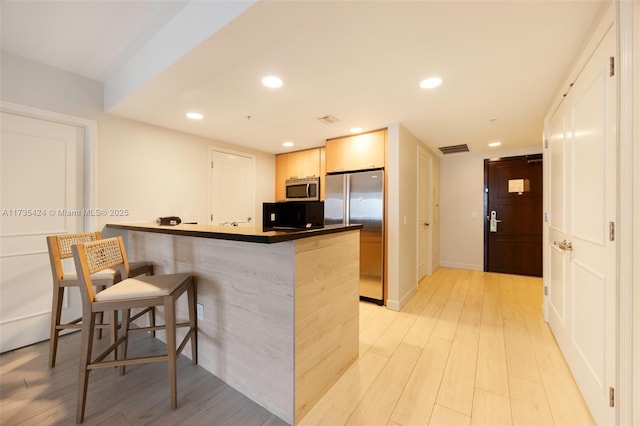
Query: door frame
(90, 131)
(485, 196)
(627, 25)
(212, 149)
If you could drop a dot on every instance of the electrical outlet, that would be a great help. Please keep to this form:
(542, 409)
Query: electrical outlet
(200, 311)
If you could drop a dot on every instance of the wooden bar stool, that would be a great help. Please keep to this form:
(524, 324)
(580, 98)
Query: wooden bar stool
(60, 248)
(159, 290)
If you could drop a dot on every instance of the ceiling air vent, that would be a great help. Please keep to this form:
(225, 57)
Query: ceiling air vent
(454, 149)
(328, 119)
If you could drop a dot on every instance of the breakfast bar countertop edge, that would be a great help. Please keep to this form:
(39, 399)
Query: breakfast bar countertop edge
(234, 233)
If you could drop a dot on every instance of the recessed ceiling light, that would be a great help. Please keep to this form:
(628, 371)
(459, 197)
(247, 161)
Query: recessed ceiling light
(496, 143)
(287, 144)
(194, 115)
(355, 130)
(430, 83)
(272, 81)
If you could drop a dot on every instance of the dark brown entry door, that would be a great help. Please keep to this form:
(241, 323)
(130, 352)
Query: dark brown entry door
(513, 215)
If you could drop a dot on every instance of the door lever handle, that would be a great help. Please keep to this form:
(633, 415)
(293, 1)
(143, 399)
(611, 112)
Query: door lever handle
(564, 245)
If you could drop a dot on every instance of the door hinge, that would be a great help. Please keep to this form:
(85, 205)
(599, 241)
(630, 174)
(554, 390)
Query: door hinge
(546, 143)
(212, 164)
(612, 231)
(612, 399)
(546, 290)
(612, 66)
(211, 219)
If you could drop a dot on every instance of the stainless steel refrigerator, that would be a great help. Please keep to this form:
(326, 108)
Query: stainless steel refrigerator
(358, 197)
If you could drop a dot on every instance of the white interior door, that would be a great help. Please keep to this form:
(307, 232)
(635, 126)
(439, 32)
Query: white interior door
(42, 187)
(424, 214)
(232, 189)
(581, 254)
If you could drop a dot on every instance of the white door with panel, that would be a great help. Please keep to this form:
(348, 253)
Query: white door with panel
(41, 193)
(232, 189)
(424, 197)
(581, 251)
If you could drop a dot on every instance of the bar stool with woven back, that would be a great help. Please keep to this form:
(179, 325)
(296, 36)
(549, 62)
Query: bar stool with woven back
(159, 290)
(60, 248)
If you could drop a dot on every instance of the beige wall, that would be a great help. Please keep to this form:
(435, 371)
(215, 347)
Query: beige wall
(462, 195)
(149, 170)
(402, 218)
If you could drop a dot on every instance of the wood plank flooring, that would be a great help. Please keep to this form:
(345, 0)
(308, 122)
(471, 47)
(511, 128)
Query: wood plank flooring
(470, 348)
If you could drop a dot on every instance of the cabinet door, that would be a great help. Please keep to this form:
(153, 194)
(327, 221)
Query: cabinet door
(309, 161)
(339, 155)
(368, 150)
(293, 169)
(281, 176)
(323, 171)
(301, 164)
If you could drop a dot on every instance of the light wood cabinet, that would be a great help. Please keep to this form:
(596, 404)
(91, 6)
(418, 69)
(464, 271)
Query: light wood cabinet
(323, 171)
(281, 176)
(299, 164)
(359, 152)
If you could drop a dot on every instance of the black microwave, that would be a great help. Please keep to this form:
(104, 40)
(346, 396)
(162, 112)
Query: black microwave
(304, 189)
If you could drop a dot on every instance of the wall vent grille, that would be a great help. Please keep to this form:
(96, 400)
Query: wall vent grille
(454, 149)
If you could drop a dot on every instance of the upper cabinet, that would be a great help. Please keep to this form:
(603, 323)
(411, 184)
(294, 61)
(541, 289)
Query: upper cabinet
(299, 164)
(323, 170)
(281, 176)
(359, 152)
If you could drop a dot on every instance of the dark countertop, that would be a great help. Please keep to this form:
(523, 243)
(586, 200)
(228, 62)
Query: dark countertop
(234, 233)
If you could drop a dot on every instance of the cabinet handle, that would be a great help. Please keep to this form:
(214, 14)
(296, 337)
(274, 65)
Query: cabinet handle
(338, 169)
(368, 166)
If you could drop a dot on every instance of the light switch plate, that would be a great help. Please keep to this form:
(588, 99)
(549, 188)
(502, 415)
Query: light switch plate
(200, 311)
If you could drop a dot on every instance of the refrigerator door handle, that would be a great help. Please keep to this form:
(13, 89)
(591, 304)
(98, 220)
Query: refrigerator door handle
(347, 193)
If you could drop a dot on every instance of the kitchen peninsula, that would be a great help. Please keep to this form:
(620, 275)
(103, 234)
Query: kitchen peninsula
(281, 309)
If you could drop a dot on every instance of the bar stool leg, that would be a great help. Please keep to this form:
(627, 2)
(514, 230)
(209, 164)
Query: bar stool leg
(193, 326)
(86, 344)
(170, 321)
(56, 314)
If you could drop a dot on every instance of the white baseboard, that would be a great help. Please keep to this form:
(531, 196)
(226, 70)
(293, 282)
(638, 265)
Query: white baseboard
(468, 266)
(397, 305)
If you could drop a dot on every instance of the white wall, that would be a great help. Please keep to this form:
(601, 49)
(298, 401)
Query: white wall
(462, 195)
(149, 170)
(402, 175)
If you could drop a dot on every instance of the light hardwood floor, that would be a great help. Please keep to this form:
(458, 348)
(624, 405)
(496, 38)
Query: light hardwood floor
(469, 348)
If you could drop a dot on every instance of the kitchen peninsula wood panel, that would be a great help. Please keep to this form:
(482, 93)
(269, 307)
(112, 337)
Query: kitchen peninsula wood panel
(280, 320)
(326, 323)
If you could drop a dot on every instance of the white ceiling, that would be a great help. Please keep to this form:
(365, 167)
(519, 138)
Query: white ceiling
(360, 61)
